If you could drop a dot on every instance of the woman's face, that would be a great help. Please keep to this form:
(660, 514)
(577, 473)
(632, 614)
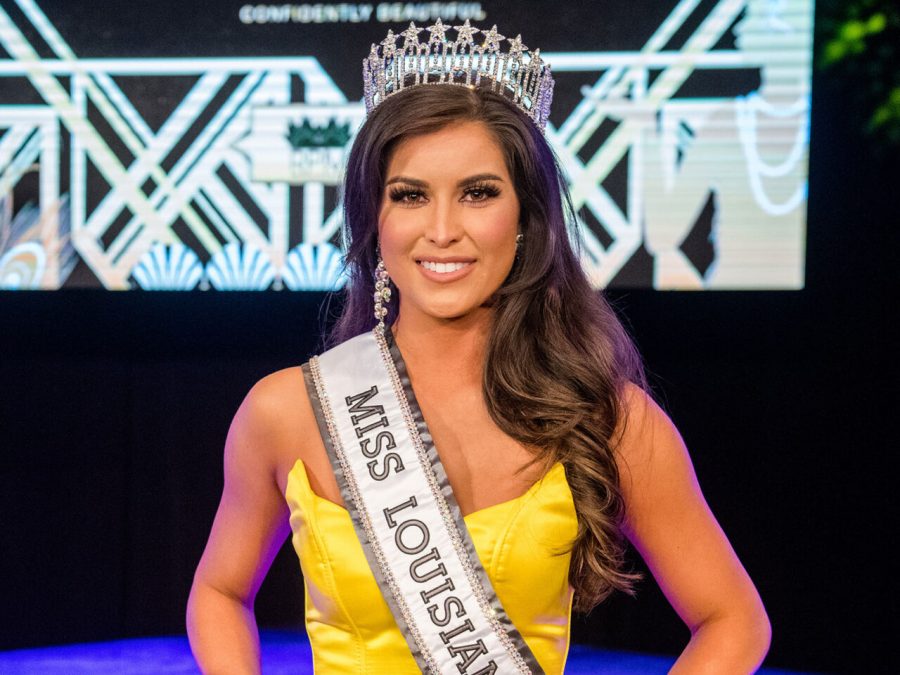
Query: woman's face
(448, 221)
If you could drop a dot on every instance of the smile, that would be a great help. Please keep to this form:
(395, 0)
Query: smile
(443, 268)
(445, 272)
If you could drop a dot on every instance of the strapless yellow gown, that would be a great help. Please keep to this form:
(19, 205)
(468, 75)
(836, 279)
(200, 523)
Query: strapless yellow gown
(522, 543)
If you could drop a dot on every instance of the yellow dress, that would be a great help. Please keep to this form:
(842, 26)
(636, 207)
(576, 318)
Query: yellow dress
(523, 546)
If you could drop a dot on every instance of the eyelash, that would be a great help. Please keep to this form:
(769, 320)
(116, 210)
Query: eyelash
(400, 194)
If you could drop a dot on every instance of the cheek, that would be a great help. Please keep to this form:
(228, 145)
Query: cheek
(390, 230)
(394, 243)
(397, 222)
(499, 232)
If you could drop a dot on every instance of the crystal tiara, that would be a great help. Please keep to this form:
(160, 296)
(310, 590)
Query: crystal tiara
(518, 73)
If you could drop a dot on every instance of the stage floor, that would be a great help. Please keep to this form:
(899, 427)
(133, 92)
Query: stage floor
(284, 653)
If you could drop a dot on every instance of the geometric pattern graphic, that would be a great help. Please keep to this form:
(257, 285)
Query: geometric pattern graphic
(677, 185)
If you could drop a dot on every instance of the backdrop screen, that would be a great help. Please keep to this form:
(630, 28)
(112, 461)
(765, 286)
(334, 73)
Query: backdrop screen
(182, 145)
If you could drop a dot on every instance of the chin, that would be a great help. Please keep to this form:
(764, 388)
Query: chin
(457, 312)
(449, 310)
(449, 314)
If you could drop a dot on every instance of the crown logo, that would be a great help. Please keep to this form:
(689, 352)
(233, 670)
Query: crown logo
(307, 135)
(520, 74)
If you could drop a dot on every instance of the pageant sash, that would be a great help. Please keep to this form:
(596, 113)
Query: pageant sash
(405, 514)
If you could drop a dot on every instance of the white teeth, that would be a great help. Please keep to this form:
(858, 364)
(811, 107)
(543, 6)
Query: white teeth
(443, 268)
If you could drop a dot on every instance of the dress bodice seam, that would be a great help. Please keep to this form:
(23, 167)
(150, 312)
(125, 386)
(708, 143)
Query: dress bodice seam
(498, 552)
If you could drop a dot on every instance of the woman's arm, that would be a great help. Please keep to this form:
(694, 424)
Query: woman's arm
(250, 526)
(671, 526)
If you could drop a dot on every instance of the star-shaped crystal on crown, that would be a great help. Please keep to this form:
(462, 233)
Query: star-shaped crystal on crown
(390, 44)
(516, 46)
(411, 35)
(493, 39)
(437, 32)
(465, 33)
(374, 56)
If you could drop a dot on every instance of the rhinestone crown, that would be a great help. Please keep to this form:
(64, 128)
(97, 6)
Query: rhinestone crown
(518, 73)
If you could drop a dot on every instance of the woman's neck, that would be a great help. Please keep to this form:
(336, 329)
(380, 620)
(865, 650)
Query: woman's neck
(447, 349)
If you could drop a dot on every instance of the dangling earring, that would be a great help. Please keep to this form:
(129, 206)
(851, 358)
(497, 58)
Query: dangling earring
(519, 239)
(382, 294)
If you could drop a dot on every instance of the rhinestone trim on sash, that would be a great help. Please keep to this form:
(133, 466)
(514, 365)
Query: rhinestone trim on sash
(359, 504)
(458, 546)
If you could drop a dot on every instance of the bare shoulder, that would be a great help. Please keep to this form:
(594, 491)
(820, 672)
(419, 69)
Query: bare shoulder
(642, 423)
(276, 416)
(279, 394)
(279, 407)
(654, 464)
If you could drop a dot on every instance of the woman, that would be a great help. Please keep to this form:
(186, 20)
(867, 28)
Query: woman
(531, 450)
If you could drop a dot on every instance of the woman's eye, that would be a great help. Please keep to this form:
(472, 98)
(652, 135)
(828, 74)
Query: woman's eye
(480, 193)
(403, 196)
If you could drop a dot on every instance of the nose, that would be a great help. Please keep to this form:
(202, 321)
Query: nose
(444, 226)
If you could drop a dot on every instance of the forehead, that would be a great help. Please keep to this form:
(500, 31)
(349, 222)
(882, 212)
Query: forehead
(456, 150)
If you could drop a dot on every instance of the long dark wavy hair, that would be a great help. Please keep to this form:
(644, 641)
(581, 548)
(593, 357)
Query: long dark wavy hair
(557, 357)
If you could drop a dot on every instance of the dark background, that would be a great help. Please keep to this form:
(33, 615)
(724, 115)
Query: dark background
(114, 409)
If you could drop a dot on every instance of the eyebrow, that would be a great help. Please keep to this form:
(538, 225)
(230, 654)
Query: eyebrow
(415, 182)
